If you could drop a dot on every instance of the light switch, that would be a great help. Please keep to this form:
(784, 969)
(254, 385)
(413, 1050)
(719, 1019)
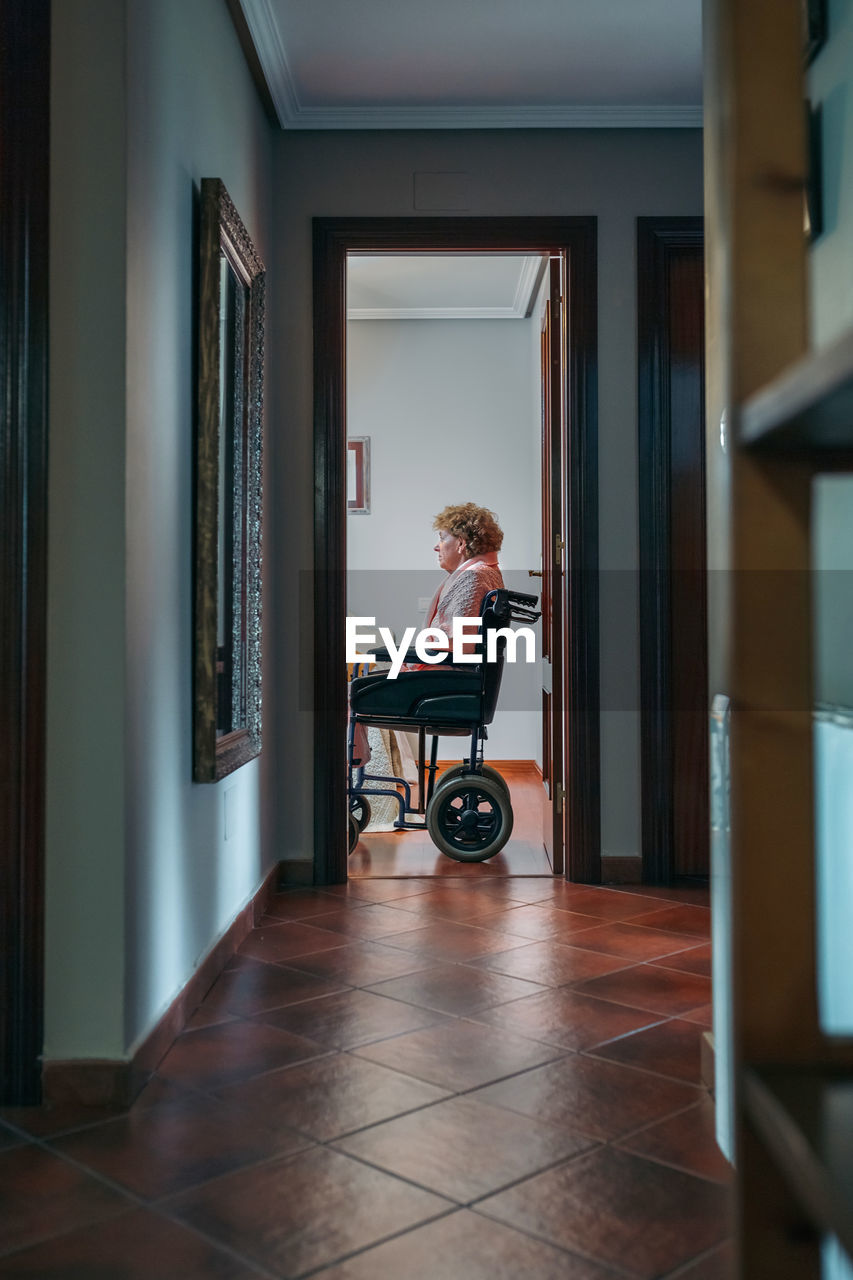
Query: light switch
(229, 799)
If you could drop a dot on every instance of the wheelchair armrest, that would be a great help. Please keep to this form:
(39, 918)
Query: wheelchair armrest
(411, 655)
(382, 655)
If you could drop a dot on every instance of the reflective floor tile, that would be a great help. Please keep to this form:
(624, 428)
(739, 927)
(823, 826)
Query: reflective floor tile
(457, 989)
(466, 1245)
(135, 1246)
(305, 1212)
(350, 1018)
(334, 1095)
(459, 1055)
(160, 1150)
(620, 1210)
(590, 1096)
(463, 1148)
(216, 1056)
(647, 986)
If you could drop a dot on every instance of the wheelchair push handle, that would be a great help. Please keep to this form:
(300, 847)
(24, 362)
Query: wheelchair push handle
(522, 598)
(517, 606)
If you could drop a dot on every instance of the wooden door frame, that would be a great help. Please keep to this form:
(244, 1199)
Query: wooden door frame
(333, 239)
(656, 239)
(24, 220)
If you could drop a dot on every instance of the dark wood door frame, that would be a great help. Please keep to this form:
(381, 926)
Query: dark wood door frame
(333, 239)
(657, 238)
(24, 120)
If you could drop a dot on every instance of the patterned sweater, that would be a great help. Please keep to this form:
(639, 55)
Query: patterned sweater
(462, 596)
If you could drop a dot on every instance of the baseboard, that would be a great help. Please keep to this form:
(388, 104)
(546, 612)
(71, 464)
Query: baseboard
(116, 1082)
(627, 870)
(517, 768)
(707, 1058)
(91, 1082)
(296, 872)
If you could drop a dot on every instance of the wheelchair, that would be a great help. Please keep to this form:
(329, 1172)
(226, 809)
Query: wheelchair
(468, 814)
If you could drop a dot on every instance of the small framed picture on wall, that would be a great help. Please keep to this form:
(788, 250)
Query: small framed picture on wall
(358, 475)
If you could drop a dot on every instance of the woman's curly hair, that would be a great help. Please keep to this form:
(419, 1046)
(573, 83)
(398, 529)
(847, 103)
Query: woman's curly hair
(477, 526)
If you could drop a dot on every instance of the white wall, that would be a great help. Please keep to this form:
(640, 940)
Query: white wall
(449, 408)
(149, 96)
(611, 174)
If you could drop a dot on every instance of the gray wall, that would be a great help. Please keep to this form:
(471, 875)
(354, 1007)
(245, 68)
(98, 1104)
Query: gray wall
(614, 175)
(85, 802)
(149, 96)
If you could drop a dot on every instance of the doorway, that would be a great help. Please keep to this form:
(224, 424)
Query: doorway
(673, 576)
(572, 242)
(444, 406)
(24, 174)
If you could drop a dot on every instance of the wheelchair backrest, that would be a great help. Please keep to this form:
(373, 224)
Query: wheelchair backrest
(500, 607)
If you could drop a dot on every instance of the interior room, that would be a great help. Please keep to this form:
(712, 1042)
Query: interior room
(444, 385)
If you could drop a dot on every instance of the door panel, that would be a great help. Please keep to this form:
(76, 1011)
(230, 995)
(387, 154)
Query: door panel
(553, 523)
(689, 673)
(673, 579)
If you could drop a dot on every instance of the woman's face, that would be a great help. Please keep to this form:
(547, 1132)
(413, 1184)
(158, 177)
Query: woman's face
(451, 550)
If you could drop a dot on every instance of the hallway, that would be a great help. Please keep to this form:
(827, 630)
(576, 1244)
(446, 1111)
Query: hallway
(413, 1081)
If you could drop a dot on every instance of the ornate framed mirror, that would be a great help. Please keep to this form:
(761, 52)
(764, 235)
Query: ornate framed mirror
(227, 622)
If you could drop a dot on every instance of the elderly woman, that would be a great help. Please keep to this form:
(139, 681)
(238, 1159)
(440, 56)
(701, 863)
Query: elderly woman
(469, 539)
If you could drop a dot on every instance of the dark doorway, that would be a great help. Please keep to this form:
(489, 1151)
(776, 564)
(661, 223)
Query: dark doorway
(673, 575)
(576, 239)
(24, 119)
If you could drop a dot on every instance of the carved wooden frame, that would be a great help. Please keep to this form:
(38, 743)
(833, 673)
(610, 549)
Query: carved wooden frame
(222, 232)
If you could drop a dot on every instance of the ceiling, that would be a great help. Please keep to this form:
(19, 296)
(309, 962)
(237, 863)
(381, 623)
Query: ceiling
(435, 286)
(386, 64)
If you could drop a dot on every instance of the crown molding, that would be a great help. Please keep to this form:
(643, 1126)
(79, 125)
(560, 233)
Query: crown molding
(435, 313)
(431, 117)
(266, 37)
(532, 270)
(530, 273)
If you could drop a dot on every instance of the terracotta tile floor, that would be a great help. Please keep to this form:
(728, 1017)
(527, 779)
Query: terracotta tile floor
(481, 1078)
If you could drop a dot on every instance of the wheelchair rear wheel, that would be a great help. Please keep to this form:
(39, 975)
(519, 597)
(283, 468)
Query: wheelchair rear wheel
(359, 807)
(354, 831)
(470, 818)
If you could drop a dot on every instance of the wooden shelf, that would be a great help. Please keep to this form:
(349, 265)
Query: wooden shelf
(805, 1117)
(809, 408)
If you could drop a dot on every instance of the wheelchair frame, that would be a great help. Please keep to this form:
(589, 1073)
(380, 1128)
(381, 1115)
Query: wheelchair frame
(461, 831)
